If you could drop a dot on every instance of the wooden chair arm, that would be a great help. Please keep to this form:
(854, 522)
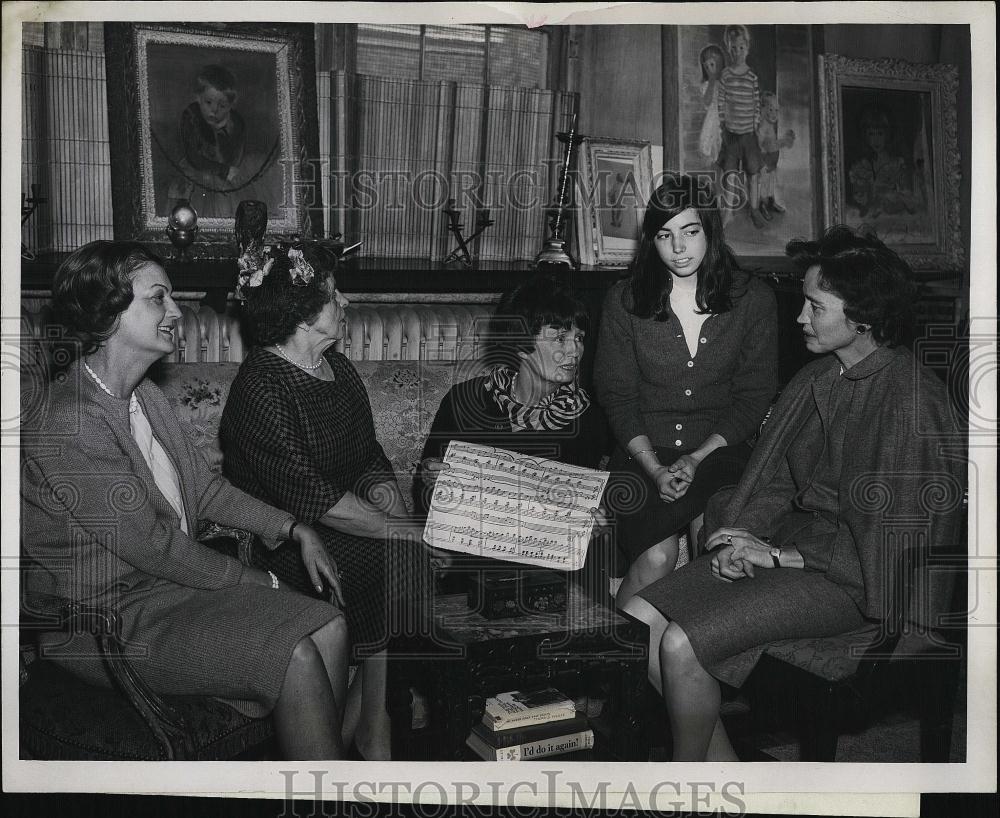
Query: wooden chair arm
(53, 612)
(217, 536)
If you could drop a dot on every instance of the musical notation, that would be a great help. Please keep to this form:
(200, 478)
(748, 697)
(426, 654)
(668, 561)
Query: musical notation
(496, 503)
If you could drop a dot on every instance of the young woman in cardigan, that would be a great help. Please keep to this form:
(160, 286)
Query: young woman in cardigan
(111, 483)
(686, 368)
(804, 545)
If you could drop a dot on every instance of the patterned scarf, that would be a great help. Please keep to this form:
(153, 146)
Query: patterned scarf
(557, 410)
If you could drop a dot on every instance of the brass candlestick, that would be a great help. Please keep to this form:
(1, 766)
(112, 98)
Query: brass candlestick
(554, 252)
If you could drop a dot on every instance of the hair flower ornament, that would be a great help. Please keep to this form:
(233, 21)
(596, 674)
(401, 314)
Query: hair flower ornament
(254, 265)
(300, 270)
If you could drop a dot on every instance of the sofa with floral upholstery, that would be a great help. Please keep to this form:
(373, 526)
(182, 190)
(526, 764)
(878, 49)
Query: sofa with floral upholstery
(404, 397)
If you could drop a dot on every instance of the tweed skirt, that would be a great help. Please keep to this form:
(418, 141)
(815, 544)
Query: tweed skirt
(232, 644)
(642, 518)
(730, 623)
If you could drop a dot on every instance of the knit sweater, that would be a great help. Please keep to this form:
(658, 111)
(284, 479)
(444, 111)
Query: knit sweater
(93, 518)
(739, 101)
(648, 383)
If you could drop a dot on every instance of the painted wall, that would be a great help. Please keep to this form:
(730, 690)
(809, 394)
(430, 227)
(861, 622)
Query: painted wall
(621, 88)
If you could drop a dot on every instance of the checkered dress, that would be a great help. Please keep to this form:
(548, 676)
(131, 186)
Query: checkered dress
(300, 443)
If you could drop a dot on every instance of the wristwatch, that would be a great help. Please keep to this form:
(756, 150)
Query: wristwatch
(775, 553)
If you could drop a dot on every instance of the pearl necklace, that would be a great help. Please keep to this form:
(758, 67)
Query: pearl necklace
(309, 367)
(133, 403)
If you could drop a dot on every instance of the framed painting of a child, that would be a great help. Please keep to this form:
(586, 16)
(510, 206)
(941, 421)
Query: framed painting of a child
(214, 115)
(744, 102)
(890, 155)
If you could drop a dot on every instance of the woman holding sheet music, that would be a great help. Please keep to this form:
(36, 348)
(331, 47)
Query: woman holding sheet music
(530, 400)
(686, 367)
(298, 431)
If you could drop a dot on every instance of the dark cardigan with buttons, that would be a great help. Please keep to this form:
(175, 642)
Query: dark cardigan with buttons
(648, 383)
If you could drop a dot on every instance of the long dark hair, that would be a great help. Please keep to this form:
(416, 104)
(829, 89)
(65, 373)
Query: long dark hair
(719, 274)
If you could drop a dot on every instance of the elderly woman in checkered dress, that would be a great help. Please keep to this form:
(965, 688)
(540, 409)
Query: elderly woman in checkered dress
(297, 432)
(112, 487)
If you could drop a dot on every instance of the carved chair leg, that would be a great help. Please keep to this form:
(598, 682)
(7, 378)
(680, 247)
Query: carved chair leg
(165, 725)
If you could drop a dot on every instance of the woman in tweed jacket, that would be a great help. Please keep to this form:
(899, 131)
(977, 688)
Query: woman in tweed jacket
(298, 432)
(686, 367)
(112, 496)
(806, 544)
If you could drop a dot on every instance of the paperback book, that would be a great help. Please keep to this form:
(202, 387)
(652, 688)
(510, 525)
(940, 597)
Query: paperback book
(531, 732)
(516, 708)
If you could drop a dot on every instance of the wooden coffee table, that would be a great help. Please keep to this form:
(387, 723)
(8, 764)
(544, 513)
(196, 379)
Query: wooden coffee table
(587, 650)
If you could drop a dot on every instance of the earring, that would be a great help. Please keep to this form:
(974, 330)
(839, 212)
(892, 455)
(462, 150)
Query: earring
(861, 329)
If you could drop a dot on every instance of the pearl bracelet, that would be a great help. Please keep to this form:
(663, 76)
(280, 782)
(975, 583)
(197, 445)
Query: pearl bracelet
(274, 580)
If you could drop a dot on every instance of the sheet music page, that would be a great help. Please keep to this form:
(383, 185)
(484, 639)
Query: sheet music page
(497, 503)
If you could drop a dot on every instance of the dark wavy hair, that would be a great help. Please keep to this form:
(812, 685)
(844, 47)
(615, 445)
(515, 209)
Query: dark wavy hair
(93, 286)
(875, 283)
(542, 301)
(272, 310)
(719, 276)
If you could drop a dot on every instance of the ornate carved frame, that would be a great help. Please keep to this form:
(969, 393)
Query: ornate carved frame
(946, 252)
(130, 135)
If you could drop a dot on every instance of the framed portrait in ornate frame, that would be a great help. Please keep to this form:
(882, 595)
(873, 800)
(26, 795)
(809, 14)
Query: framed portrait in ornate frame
(613, 184)
(890, 156)
(212, 113)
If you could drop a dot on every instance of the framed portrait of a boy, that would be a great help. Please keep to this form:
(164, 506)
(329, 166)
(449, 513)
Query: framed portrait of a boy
(890, 155)
(212, 114)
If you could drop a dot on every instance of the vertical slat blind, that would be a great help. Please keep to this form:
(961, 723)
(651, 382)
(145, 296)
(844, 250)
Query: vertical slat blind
(64, 148)
(409, 146)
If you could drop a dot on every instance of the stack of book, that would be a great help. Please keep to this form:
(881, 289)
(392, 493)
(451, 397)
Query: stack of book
(520, 726)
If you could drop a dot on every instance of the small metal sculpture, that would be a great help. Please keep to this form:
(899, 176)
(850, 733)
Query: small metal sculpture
(554, 252)
(461, 253)
(182, 228)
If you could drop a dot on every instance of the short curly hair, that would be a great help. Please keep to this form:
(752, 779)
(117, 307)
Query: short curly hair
(875, 283)
(542, 301)
(272, 310)
(93, 286)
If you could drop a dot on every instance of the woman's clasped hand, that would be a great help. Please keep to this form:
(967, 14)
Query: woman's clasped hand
(737, 552)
